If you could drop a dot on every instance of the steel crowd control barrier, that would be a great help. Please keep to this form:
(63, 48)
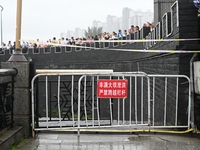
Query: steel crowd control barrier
(73, 102)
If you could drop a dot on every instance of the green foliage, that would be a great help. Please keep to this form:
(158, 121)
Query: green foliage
(14, 147)
(53, 111)
(169, 124)
(45, 110)
(93, 31)
(88, 116)
(20, 123)
(76, 116)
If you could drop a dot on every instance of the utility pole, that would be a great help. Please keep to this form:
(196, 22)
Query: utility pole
(1, 26)
(17, 53)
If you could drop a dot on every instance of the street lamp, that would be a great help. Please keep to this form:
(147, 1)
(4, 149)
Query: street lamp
(1, 26)
(17, 55)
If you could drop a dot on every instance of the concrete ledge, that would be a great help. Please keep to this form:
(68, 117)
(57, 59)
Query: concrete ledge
(10, 137)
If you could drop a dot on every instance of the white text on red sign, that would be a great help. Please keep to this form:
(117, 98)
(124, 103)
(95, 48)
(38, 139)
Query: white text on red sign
(112, 88)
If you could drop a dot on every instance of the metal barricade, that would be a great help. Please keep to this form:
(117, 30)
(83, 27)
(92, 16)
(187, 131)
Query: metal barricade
(117, 115)
(54, 98)
(170, 101)
(70, 102)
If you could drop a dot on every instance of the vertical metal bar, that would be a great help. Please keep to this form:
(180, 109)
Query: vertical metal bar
(123, 111)
(79, 104)
(50, 101)
(189, 104)
(165, 107)
(47, 109)
(98, 107)
(93, 100)
(72, 99)
(153, 100)
(136, 99)
(33, 108)
(59, 100)
(111, 118)
(37, 102)
(123, 108)
(149, 111)
(85, 103)
(142, 100)
(130, 82)
(177, 10)
(176, 101)
(118, 109)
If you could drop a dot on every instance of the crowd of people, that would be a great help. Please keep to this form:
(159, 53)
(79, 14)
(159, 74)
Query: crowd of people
(75, 41)
(72, 41)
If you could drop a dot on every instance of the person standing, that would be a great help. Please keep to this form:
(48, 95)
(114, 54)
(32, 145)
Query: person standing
(9, 45)
(120, 34)
(197, 5)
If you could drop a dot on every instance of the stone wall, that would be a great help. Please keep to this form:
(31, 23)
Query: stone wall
(22, 101)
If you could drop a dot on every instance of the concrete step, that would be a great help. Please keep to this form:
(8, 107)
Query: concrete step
(9, 137)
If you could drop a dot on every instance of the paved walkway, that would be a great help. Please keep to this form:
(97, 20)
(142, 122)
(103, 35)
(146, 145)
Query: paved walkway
(66, 141)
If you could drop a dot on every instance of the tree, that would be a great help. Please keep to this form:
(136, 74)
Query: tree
(93, 31)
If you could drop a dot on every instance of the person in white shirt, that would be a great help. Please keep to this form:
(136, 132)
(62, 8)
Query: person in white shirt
(9, 45)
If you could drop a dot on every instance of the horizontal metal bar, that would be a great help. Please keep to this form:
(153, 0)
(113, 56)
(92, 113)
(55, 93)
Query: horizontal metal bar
(113, 127)
(168, 127)
(8, 72)
(72, 71)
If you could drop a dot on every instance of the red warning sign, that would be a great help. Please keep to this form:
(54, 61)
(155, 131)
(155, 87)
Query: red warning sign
(112, 88)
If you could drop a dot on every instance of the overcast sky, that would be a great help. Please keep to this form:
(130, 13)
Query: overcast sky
(45, 19)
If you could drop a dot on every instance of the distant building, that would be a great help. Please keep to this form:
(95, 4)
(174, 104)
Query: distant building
(125, 18)
(79, 33)
(97, 24)
(138, 18)
(62, 35)
(113, 23)
(70, 34)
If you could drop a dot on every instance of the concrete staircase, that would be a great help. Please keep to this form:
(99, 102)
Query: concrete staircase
(10, 137)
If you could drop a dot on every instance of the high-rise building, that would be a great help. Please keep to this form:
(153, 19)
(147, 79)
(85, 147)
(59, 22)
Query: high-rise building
(79, 33)
(113, 23)
(62, 35)
(138, 18)
(97, 24)
(70, 34)
(125, 18)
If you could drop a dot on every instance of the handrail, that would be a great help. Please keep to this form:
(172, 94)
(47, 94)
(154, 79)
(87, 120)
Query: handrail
(8, 72)
(7, 97)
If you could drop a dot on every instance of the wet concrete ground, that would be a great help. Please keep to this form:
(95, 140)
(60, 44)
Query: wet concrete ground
(66, 141)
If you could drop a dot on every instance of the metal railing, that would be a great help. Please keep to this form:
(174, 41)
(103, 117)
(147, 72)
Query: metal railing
(153, 102)
(6, 97)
